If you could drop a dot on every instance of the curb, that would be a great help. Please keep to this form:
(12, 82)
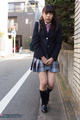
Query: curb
(66, 95)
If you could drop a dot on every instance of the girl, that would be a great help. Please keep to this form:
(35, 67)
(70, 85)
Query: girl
(47, 44)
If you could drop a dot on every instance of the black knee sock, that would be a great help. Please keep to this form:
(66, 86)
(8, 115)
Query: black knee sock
(43, 97)
(49, 90)
(47, 94)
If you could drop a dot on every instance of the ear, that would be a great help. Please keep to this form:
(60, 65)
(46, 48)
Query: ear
(42, 13)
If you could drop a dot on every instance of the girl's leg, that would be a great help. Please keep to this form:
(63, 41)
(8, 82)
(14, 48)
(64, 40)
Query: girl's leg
(43, 86)
(51, 80)
(43, 80)
(51, 83)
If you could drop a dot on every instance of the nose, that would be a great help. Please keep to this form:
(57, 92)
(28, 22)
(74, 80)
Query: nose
(48, 14)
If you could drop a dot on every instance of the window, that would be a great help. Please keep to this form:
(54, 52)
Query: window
(10, 7)
(10, 24)
(22, 6)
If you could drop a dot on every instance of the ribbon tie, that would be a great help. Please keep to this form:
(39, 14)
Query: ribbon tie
(48, 27)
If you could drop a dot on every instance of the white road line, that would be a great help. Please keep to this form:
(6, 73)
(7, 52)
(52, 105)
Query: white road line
(5, 101)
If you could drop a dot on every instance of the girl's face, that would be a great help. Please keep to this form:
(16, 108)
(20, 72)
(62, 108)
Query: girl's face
(47, 17)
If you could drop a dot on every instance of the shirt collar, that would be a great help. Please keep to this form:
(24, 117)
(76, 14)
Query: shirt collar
(46, 23)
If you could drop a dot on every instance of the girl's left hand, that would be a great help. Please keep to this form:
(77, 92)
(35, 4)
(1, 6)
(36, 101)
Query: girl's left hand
(49, 61)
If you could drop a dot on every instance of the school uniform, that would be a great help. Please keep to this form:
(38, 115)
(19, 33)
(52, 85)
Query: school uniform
(46, 44)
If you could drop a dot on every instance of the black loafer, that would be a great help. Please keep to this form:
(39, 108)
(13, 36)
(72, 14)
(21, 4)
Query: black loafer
(44, 108)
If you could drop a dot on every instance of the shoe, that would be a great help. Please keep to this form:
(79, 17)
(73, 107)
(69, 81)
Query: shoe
(44, 108)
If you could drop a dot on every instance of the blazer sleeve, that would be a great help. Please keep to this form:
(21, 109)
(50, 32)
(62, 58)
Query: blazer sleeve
(36, 41)
(58, 43)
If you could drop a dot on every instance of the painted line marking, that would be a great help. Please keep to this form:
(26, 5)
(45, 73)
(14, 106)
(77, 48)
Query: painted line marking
(5, 101)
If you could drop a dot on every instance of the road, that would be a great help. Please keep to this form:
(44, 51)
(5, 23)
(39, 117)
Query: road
(19, 89)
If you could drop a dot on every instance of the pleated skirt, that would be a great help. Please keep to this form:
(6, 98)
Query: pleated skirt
(38, 66)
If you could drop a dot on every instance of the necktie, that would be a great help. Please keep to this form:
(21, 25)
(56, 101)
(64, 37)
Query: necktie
(48, 27)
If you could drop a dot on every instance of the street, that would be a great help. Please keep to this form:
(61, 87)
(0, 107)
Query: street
(19, 89)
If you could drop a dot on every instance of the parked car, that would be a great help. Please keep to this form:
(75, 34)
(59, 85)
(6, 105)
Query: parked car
(16, 48)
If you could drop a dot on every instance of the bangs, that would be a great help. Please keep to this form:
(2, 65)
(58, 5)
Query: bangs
(48, 9)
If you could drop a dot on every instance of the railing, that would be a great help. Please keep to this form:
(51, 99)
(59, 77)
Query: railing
(29, 8)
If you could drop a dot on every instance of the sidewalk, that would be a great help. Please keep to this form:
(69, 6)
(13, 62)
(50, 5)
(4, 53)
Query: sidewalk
(24, 51)
(58, 108)
(2, 58)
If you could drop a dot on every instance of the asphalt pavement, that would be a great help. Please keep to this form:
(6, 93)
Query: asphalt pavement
(26, 104)
(19, 94)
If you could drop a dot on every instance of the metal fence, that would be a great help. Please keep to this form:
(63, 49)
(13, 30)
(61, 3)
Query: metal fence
(17, 8)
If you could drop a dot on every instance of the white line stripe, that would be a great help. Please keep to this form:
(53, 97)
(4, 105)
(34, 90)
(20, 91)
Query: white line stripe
(5, 101)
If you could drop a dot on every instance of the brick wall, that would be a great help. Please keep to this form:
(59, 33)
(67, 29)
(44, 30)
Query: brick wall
(76, 71)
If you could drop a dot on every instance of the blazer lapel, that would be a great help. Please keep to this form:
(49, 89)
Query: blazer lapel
(45, 28)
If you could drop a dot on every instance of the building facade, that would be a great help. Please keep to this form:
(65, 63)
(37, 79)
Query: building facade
(3, 27)
(23, 14)
(76, 74)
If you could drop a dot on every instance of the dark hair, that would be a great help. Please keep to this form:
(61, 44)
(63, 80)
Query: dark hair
(49, 9)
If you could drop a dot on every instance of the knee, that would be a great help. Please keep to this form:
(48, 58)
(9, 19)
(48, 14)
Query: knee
(44, 84)
(51, 86)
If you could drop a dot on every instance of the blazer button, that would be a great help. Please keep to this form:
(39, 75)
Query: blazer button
(47, 38)
(48, 46)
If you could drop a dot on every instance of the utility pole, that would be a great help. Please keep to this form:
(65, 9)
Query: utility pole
(14, 36)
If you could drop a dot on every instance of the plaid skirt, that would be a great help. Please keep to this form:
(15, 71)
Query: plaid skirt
(38, 66)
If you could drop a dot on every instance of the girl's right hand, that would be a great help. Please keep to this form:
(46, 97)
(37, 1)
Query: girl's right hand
(44, 60)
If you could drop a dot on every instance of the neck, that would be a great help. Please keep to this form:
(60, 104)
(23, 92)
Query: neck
(47, 23)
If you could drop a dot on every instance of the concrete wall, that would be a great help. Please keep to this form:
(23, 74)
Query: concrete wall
(69, 69)
(3, 25)
(76, 74)
(66, 66)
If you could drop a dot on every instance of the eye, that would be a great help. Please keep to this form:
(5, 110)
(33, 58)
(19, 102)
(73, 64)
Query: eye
(51, 14)
(46, 13)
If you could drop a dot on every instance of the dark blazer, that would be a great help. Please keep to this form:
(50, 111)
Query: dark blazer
(46, 44)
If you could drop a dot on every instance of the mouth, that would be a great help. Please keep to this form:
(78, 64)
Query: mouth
(48, 19)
